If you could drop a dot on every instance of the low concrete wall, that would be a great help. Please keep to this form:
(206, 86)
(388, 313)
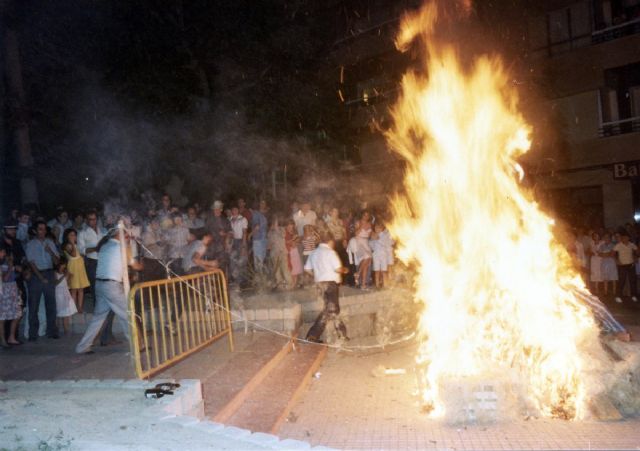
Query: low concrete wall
(365, 313)
(285, 319)
(371, 313)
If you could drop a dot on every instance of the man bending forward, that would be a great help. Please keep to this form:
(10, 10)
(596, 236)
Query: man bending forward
(326, 268)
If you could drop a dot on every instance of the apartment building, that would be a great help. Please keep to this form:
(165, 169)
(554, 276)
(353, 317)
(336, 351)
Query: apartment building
(588, 52)
(366, 69)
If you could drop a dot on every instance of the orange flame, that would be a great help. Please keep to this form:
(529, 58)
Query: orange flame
(496, 286)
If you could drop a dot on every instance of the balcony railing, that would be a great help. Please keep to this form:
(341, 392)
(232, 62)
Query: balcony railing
(616, 31)
(595, 37)
(620, 127)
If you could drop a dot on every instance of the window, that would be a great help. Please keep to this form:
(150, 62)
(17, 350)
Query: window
(561, 30)
(620, 100)
(613, 19)
(609, 13)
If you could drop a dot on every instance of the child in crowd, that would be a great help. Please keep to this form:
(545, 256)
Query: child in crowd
(78, 279)
(310, 240)
(354, 260)
(65, 305)
(382, 247)
(10, 308)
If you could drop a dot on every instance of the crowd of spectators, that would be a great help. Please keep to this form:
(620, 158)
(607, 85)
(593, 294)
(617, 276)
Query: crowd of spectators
(50, 266)
(608, 259)
(53, 262)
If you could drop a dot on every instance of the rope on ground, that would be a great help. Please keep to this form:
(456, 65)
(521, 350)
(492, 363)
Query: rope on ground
(340, 347)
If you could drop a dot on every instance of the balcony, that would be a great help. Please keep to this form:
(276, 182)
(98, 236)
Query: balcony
(619, 127)
(616, 31)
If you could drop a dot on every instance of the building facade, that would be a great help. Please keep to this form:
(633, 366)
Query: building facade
(588, 52)
(366, 68)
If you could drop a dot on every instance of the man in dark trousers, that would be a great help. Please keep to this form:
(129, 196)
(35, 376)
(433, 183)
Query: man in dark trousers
(42, 255)
(326, 267)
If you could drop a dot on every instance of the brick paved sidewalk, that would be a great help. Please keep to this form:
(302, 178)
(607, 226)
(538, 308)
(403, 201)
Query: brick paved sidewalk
(347, 407)
(56, 359)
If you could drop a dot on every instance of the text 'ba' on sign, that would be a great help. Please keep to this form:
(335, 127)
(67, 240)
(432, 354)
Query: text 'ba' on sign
(629, 169)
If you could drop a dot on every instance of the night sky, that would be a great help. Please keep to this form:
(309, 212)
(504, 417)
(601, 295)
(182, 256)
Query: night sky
(120, 95)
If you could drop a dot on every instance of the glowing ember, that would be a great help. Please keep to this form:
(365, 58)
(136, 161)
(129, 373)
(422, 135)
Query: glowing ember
(496, 286)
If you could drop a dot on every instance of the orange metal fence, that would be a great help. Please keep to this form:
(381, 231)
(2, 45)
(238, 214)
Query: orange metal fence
(173, 318)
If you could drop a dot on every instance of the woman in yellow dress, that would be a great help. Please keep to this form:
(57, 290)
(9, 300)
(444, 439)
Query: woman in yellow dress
(78, 279)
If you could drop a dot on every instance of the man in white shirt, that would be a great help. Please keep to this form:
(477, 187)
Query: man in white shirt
(326, 267)
(304, 216)
(627, 255)
(110, 294)
(238, 255)
(88, 239)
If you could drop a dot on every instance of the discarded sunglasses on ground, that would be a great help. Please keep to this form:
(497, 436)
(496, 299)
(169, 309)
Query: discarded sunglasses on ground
(165, 388)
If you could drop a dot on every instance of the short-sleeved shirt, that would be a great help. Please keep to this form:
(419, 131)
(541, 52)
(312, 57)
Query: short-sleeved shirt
(301, 219)
(309, 243)
(258, 219)
(193, 248)
(177, 237)
(89, 237)
(324, 262)
(625, 252)
(238, 225)
(38, 255)
(110, 261)
(336, 227)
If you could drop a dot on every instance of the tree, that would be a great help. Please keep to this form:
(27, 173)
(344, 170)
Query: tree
(18, 115)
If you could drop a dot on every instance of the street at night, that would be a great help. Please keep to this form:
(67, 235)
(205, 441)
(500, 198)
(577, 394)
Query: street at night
(305, 224)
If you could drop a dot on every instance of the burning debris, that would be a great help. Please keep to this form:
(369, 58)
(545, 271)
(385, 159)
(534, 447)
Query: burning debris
(499, 291)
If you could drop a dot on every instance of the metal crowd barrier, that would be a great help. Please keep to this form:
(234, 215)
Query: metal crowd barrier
(173, 318)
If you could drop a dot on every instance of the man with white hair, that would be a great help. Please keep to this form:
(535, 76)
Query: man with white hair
(110, 293)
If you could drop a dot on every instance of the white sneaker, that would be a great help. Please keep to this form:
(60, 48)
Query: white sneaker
(619, 300)
(634, 299)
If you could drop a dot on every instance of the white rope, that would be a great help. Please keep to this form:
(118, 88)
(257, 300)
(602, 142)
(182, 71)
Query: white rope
(267, 329)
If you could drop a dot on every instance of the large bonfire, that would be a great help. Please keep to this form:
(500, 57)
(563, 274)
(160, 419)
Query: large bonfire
(498, 289)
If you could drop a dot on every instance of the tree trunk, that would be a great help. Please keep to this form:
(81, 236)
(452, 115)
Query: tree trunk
(3, 143)
(18, 117)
